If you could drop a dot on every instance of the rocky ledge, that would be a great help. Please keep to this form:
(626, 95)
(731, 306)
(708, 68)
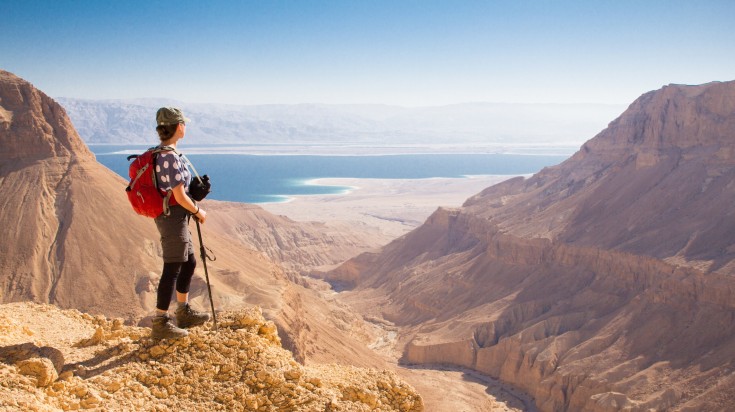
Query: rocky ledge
(66, 360)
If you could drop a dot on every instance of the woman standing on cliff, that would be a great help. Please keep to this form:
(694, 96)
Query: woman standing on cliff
(178, 250)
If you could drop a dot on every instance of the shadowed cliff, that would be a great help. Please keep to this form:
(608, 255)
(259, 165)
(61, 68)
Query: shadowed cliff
(603, 283)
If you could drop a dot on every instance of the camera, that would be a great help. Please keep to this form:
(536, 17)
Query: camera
(200, 188)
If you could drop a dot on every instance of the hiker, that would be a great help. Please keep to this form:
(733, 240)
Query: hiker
(176, 241)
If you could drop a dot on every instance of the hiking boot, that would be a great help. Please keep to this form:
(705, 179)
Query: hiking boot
(163, 328)
(187, 317)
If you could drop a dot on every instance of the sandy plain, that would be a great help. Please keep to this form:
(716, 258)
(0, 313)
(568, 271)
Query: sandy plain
(390, 208)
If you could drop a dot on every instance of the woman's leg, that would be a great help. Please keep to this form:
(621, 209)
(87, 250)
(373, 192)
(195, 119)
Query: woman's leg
(166, 285)
(186, 316)
(183, 281)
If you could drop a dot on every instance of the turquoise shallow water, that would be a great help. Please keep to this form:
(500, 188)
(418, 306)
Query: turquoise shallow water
(274, 178)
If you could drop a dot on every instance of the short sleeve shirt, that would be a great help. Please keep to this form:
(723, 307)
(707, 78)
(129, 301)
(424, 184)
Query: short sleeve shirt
(171, 171)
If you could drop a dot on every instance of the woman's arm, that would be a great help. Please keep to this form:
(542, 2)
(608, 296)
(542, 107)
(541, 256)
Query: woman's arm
(185, 201)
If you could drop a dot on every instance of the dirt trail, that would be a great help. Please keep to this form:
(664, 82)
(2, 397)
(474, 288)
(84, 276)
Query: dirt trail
(457, 390)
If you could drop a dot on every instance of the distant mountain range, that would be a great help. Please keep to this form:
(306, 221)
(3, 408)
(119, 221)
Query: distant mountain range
(133, 121)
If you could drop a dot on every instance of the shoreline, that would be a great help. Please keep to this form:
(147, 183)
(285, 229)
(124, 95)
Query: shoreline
(390, 207)
(349, 189)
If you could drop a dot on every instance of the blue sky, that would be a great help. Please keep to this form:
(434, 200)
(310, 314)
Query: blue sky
(411, 53)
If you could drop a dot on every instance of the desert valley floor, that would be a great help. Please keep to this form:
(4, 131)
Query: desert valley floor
(387, 209)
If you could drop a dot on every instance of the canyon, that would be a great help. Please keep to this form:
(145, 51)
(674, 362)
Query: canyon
(600, 284)
(604, 283)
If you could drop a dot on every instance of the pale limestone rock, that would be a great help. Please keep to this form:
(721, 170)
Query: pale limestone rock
(40, 368)
(206, 371)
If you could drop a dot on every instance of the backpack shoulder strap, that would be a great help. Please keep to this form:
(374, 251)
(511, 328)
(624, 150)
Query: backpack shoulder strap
(181, 155)
(159, 149)
(154, 150)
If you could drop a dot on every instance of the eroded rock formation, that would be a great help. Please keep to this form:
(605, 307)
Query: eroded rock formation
(600, 284)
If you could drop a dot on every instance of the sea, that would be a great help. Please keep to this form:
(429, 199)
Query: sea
(239, 175)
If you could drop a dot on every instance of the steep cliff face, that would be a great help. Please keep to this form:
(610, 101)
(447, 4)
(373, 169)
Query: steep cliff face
(658, 181)
(537, 313)
(601, 284)
(59, 207)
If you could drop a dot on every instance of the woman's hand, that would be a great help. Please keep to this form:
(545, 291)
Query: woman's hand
(201, 216)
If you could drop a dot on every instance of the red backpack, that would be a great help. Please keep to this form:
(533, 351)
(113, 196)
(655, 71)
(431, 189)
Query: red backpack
(143, 192)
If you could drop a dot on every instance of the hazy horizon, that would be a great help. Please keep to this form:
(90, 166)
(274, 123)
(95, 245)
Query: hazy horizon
(167, 100)
(490, 127)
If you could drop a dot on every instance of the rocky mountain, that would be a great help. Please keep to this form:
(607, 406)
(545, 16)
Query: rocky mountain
(655, 182)
(65, 360)
(602, 284)
(130, 121)
(74, 241)
(58, 200)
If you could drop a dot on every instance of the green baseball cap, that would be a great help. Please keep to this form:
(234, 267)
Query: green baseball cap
(170, 116)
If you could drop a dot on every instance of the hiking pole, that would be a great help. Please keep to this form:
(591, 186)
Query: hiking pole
(203, 253)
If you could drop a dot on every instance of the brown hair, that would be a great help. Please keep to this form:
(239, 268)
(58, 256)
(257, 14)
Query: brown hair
(166, 132)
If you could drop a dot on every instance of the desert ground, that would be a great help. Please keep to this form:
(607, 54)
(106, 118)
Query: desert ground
(389, 208)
